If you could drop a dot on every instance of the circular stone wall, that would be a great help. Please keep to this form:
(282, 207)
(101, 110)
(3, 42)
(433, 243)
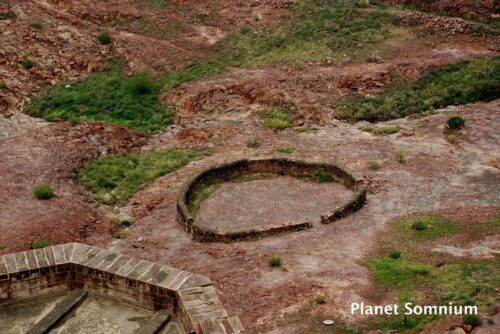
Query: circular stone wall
(203, 231)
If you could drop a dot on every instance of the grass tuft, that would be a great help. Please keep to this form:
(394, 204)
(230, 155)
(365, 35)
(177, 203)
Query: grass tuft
(104, 38)
(115, 179)
(428, 227)
(276, 118)
(373, 164)
(27, 64)
(43, 191)
(274, 261)
(382, 131)
(323, 176)
(320, 299)
(455, 123)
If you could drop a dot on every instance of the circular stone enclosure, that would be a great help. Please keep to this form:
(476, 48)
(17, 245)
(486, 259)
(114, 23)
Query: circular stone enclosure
(202, 231)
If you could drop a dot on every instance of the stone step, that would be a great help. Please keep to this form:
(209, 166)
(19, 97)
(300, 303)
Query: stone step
(44, 325)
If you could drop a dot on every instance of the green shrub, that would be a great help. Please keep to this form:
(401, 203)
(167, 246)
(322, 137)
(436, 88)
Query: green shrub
(37, 24)
(373, 164)
(104, 38)
(3, 85)
(27, 64)
(471, 319)
(456, 123)
(395, 254)
(43, 191)
(253, 143)
(320, 299)
(274, 261)
(40, 244)
(323, 176)
(462, 83)
(110, 97)
(286, 149)
(115, 179)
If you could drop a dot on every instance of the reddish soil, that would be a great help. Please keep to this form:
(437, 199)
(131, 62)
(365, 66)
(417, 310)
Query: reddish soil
(461, 180)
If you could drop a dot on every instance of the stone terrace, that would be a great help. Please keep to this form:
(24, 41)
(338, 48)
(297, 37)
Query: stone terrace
(126, 280)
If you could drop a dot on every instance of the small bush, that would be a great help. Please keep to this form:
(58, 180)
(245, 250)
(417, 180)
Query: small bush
(104, 38)
(253, 143)
(43, 191)
(471, 319)
(373, 164)
(123, 234)
(3, 85)
(418, 226)
(37, 24)
(286, 149)
(274, 261)
(456, 123)
(323, 176)
(320, 299)
(395, 254)
(27, 64)
(127, 222)
(276, 119)
(401, 156)
(40, 244)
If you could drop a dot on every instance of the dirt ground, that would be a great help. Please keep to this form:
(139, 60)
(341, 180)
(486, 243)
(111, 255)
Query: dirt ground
(461, 180)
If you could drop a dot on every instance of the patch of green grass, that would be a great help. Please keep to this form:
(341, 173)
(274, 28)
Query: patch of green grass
(200, 195)
(462, 83)
(110, 97)
(471, 319)
(373, 164)
(43, 191)
(428, 227)
(274, 261)
(382, 131)
(115, 179)
(27, 64)
(276, 118)
(40, 244)
(192, 72)
(286, 149)
(323, 176)
(104, 38)
(396, 272)
(315, 30)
